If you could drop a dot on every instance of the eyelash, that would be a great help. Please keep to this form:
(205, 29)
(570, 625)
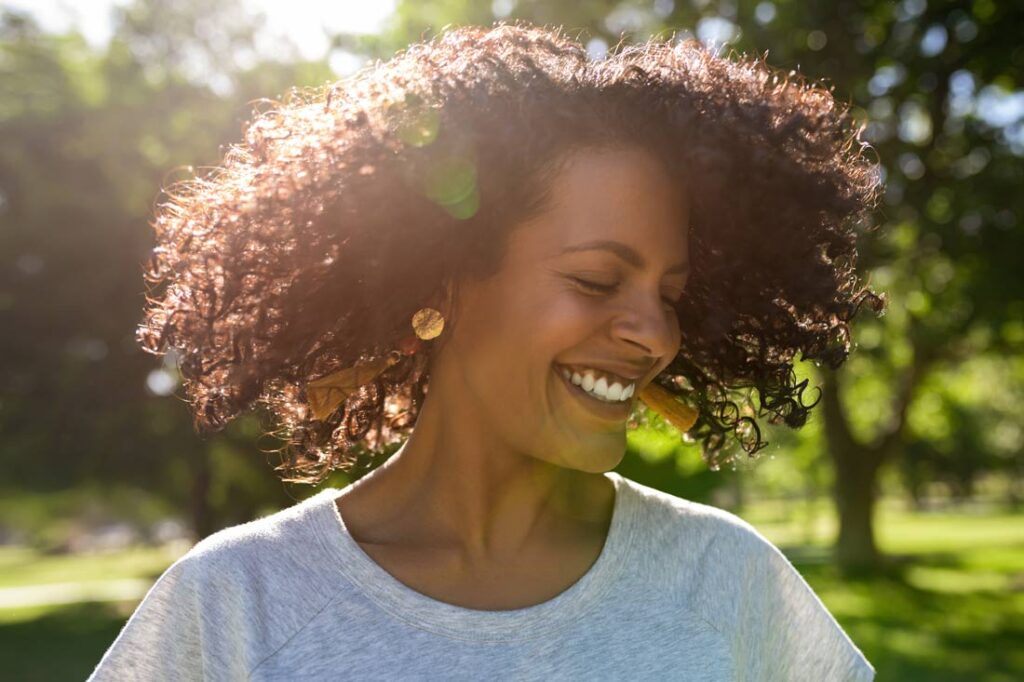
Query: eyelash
(609, 288)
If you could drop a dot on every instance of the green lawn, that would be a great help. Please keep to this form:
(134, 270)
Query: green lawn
(22, 566)
(955, 610)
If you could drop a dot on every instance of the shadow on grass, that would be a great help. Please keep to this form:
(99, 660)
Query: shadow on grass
(63, 644)
(924, 617)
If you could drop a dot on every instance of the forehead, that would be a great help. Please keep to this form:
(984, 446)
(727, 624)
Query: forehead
(623, 195)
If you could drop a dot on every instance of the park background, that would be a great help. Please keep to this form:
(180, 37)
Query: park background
(899, 501)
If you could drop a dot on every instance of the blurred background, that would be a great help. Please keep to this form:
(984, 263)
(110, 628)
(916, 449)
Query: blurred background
(900, 501)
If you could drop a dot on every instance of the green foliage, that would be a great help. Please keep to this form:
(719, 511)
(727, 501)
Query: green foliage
(90, 135)
(88, 139)
(46, 520)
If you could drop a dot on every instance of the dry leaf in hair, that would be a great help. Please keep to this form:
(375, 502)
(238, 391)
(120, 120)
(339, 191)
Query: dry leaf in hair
(665, 403)
(327, 393)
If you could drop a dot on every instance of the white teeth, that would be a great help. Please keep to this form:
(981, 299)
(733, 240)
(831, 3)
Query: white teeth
(614, 391)
(599, 388)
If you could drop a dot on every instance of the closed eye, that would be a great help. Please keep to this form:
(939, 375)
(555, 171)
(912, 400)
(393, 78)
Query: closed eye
(594, 286)
(597, 287)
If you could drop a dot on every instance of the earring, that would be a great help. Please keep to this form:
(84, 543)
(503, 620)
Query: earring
(428, 323)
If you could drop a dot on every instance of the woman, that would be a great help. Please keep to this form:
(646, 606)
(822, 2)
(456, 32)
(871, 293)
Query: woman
(547, 240)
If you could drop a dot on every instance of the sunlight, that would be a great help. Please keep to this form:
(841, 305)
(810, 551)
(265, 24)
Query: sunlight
(304, 23)
(308, 23)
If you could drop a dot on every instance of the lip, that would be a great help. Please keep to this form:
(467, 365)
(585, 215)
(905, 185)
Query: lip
(618, 411)
(624, 373)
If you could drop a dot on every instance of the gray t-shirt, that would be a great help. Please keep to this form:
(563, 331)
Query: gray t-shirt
(680, 591)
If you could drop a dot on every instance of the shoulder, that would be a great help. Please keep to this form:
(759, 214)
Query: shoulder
(673, 525)
(232, 598)
(700, 556)
(266, 552)
(722, 568)
(257, 583)
(262, 580)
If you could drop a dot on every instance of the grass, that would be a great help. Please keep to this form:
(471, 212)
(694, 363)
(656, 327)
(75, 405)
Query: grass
(23, 566)
(62, 643)
(953, 609)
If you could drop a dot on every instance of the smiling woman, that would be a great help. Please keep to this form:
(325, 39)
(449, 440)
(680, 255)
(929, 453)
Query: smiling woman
(489, 249)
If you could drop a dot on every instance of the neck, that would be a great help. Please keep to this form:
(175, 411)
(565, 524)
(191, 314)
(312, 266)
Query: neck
(453, 484)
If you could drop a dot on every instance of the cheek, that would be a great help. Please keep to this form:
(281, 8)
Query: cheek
(564, 321)
(510, 335)
(564, 325)
(540, 313)
(502, 337)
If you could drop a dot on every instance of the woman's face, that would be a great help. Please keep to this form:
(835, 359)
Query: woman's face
(586, 288)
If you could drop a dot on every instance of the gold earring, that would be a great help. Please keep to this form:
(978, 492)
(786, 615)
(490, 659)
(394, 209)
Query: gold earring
(428, 323)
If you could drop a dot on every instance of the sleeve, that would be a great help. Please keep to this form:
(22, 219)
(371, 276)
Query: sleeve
(784, 632)
(174, 633)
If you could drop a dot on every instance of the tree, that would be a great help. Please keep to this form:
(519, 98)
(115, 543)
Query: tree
(938, 87)
(87, 139)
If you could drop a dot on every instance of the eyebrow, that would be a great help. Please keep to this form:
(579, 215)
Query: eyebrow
(623, 251)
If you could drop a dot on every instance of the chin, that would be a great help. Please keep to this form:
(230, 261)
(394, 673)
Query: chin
(595, 461)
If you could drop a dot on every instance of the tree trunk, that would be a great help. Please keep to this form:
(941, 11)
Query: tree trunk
(855, 495)
(856, 468)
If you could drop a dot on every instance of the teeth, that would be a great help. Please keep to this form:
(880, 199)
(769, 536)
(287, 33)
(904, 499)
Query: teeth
(614, 391)
(599, 388)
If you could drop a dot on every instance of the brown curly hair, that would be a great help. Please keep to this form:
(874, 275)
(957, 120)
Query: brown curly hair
(309, 248)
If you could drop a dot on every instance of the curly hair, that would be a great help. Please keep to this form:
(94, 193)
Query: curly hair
(311, 245)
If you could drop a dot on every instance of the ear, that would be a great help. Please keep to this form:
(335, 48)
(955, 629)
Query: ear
(445, 300)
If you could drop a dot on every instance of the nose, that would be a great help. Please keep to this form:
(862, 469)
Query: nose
(646, 323)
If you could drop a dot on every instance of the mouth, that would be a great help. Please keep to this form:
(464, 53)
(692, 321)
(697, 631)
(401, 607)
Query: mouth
(617, 410)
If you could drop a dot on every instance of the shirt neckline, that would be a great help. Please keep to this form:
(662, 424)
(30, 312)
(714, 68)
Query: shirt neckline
(458, 622)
